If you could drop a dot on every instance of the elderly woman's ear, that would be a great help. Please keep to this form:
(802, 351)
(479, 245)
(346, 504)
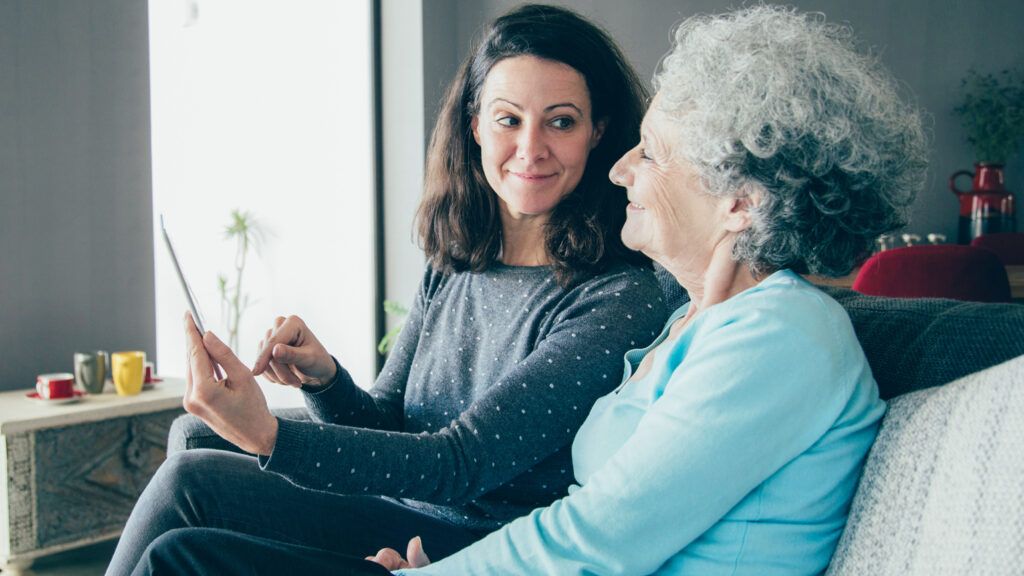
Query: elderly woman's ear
(739, 216)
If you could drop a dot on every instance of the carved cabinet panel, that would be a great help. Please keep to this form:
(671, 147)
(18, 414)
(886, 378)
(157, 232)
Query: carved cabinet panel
(89, 476)
(78, 483)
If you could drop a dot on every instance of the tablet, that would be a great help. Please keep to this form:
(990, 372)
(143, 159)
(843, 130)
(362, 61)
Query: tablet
(192, 304)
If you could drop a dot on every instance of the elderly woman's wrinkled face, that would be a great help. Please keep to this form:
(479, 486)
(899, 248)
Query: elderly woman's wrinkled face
(534, 132)
(669, 217)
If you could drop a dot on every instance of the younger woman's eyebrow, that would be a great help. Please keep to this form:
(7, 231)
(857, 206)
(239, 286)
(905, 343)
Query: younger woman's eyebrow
(547, 109)
(568, 104)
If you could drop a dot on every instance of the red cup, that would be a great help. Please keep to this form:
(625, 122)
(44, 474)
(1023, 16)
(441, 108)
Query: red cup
(148, 376)
(55, 386)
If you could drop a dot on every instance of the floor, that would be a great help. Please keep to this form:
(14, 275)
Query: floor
(88, 561)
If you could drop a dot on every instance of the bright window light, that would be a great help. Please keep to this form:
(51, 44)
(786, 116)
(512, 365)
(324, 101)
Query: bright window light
(265, 106)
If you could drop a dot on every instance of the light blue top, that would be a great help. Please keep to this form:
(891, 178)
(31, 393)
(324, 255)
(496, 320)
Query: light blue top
(737, 453)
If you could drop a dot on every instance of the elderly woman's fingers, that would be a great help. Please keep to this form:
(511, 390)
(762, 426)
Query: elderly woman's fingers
(389, 559)
(414, 552)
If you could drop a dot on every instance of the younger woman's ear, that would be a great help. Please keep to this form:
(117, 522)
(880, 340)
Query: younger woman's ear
(475, 124)
(599, 127)
(740, 209)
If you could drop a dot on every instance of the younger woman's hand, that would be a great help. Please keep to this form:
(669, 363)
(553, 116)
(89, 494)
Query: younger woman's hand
(234, 407)
(291, 355)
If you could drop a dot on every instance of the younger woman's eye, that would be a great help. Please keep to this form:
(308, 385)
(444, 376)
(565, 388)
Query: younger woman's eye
(563, 122)
(508, 121)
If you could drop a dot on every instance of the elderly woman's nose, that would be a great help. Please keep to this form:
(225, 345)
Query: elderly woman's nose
(531, 144)
(619, 172)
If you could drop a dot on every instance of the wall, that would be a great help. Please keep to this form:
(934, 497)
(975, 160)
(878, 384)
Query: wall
(76, 256)
(929, 45)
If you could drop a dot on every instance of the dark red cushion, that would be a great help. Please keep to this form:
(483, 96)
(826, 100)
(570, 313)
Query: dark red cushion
(941, 271)
(1008, 246)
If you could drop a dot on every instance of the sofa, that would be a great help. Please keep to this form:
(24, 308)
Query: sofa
(942, 490)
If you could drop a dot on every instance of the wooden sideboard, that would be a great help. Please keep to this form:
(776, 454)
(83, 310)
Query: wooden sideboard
(72, 473)
(1015, 274)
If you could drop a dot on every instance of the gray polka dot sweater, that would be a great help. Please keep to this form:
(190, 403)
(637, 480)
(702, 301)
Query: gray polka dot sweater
(473, 415)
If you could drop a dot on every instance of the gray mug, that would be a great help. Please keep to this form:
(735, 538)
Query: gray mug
(91, 371)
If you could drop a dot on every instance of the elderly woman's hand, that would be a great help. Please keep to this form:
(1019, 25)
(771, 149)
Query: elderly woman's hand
(234, 407)
(392, 560)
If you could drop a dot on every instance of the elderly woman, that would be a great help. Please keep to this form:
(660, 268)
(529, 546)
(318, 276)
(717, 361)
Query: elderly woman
(734, 444)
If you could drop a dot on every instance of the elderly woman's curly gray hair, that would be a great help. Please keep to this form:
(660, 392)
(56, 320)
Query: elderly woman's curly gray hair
(772, 100)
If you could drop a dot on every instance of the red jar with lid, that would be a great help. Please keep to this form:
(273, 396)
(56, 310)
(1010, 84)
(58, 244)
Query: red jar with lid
(987, 207)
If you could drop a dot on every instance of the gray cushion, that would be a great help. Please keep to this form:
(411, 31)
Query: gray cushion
(943, 487)
(923, 342)
(916, 343)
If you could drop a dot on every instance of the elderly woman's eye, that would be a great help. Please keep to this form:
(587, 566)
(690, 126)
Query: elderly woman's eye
(643, 154)
(563, 122)
(508, 121)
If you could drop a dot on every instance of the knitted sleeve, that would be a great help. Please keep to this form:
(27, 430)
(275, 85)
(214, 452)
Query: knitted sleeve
(532, 411)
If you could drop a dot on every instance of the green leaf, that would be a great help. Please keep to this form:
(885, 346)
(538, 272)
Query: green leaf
(392, 308)
(388, 341)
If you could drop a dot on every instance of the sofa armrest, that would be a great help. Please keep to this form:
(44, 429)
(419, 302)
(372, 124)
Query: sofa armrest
(942, 489)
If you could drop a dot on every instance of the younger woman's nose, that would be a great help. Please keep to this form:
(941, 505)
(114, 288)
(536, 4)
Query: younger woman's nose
(531, 144)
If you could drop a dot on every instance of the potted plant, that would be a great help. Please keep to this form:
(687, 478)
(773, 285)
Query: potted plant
(992, 113)
(247, 234)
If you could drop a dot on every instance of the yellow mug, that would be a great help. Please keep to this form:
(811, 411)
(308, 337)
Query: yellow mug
(127, 369)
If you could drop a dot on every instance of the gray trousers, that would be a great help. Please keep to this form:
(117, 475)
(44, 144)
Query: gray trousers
(189, 432)
(207, 491)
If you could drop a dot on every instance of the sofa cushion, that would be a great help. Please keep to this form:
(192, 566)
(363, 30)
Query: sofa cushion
(916, 343)
(943, 488)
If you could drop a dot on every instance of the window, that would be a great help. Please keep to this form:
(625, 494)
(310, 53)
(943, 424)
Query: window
(266, 106)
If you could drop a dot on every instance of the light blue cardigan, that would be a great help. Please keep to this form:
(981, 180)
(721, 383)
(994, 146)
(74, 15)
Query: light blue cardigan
(737, 453)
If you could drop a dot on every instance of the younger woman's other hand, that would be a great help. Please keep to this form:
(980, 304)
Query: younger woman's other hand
(291, 355)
